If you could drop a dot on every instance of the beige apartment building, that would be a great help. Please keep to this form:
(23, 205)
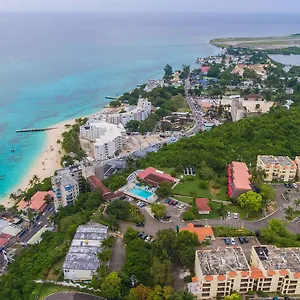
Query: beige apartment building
(221, 271)
(277, 167)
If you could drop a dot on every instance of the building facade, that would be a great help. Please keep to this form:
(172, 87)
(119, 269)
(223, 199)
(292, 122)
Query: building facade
(108, 139)
(66, 185)
(221, 271)
(277, 167)
(140, 112)
(81, 262)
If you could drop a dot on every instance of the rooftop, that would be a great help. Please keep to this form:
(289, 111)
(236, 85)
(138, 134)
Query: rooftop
(222, 261)
(155, 175)
(202, 232)
(273, 258)
(276, 160)
(202, 204)
(86, 244)
(98, 184)
(241, 175)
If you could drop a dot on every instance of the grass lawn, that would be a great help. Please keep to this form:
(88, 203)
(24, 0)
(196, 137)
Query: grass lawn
(191, 188)
(53, 274)
(185, 199)
(243, 213)
(49, 289)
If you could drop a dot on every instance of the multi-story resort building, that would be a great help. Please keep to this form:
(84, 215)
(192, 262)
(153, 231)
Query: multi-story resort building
(277, 167)
(81, 262)
(221, 271)
(140, 112)
(238, 179)
(107, 139)
(66, 185)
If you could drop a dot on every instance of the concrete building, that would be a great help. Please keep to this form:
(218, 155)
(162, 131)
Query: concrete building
(66, 185)
(221, 271)
(108, 139)
(279, 269)
(140, 112)
(81, 262)
(238, 176)
(152, 84)
(277, 167)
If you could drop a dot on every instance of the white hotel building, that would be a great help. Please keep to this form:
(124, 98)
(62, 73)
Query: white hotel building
(140, 112)
(107, 138)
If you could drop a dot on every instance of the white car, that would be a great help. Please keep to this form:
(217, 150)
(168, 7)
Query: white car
(229, 215)
(236, 215)
(232, 241)
(148, 239)
(294, 185)
(139, 203)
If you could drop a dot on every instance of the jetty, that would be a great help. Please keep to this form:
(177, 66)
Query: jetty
(111, 98)
(35, 129)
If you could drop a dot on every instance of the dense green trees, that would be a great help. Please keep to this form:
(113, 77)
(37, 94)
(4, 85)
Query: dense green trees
(158, 209)
(164, 189)
(250, 201)
(111, 286)
(276, 133)
(168, 73)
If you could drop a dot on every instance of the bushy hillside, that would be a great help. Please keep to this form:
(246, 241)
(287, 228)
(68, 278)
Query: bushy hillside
(277, 133)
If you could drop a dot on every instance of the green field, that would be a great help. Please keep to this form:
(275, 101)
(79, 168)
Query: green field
(191, 188)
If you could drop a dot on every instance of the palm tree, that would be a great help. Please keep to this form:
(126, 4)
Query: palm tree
(297, 202)
(222, 210)
(133, 211)
(36, 179)
(12, 196)
(289, 211)
(31, 182)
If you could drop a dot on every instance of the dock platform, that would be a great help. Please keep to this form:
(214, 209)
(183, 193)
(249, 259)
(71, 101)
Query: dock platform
(35, 129)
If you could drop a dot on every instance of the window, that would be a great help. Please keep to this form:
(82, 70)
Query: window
(205, 295)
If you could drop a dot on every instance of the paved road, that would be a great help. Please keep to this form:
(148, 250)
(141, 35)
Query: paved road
(118, 255)
(33, 230)
(72, 296)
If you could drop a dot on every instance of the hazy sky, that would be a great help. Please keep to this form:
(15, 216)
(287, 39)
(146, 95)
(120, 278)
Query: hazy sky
(151, 5)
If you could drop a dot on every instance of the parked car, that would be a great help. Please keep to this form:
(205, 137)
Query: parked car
(229, 215)
(286, 185)
(139, 203)
(180, 206)
(167, 217)
(290, 185)
(226, 241)
(147, 239)
(294, 185)
(170, 202)
(236, 215)
(232, 241)
(39, 223)
(167, 201)
(140, 234)
(175, 203)
(246, 240)
(241, 239)
(143, 237)
(140, 224)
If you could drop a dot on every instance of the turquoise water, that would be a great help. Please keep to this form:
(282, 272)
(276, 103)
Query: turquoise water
(141, 193)
(55, 67)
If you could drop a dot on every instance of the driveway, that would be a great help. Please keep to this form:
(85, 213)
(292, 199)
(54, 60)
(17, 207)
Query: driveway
(118, 255)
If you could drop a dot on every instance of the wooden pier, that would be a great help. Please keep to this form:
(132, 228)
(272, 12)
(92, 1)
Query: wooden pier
(35, 129)
(111, 98)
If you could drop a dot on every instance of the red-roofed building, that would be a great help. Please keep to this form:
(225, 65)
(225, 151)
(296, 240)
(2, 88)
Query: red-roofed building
(238, 179)
(97, 185)
(202, 205)
(37, 202)
(155, 177)
(203, 233)
(205, 69)
(3, 242)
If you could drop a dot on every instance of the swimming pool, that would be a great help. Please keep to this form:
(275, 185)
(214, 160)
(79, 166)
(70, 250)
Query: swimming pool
(141, 193)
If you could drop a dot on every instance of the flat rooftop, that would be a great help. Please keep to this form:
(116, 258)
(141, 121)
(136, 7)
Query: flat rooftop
(86, 244)
(222, 260)
(273, 258)
(276, 160)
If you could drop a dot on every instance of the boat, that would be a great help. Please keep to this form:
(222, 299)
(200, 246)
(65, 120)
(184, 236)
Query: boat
(12, 150)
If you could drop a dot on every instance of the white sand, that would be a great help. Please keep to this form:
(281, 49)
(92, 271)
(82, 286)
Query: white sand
(48, 161)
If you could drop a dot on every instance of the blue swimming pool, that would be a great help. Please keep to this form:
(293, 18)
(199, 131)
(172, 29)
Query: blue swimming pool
(141, 193)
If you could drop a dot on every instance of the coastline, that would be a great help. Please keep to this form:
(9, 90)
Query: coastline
(45, 164)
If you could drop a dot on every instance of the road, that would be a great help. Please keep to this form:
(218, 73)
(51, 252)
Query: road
(33, 230)
(196, 111)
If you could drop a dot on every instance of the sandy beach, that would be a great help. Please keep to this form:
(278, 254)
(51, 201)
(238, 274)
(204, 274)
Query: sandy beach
(48, 161)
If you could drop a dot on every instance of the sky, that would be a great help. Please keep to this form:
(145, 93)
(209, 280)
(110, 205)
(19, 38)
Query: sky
(152, 5)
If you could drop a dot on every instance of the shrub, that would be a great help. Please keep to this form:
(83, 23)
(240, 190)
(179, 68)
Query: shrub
(188, 215)
(203, 184)
(228, 231)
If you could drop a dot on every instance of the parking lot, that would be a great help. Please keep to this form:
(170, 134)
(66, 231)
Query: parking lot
(174, 210)
(252, 241)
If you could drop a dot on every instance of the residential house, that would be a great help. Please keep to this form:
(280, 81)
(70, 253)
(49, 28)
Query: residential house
(202, 205)
(203, 233)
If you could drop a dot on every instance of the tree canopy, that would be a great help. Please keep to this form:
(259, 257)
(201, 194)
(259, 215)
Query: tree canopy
(251, 201)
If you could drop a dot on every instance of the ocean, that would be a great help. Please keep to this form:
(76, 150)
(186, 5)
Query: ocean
(57, 66)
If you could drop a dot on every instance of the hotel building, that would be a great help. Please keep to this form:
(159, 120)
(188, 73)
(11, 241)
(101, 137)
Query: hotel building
(66, 185)
(221, 271)
(277, 167)
(140, 112)
(107, 138)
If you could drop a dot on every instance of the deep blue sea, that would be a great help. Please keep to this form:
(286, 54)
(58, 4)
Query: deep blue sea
(60, 66)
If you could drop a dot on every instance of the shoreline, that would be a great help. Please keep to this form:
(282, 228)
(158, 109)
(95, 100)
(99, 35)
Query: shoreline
(45, 164)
